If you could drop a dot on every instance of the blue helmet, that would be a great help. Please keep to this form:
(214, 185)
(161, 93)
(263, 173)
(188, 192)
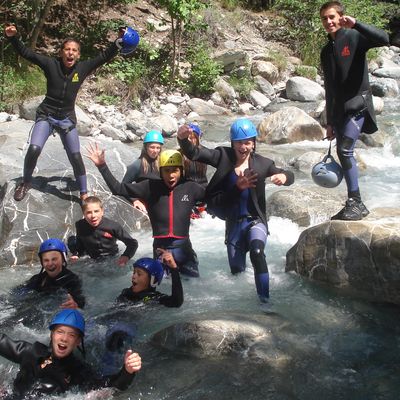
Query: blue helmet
(130, 40)
(53, 245)
(153, 137)
(327, 173)
(71, 318)
(196, 129)
(153, 267)
(243, 129)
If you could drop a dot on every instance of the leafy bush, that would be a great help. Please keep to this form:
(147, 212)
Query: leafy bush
(204, 72)
(306, 71)
(19, 85)
(242, 84)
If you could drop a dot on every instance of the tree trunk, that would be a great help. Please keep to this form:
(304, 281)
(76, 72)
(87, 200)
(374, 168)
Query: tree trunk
(37, 30)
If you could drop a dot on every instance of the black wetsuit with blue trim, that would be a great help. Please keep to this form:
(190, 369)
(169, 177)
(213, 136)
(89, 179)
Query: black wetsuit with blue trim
(244, 211)
(57, 111)
(169, 214)
(40, 374)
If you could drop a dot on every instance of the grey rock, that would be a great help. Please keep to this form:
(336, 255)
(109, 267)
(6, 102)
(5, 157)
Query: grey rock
(303, 89)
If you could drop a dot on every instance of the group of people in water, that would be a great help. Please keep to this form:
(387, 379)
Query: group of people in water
(169, 185)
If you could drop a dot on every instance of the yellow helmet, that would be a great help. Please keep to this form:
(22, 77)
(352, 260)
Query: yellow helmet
(170, 158)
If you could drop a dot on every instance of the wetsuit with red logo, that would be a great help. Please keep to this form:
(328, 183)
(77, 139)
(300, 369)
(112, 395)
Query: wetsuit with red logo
(169, 214)
(101, 241)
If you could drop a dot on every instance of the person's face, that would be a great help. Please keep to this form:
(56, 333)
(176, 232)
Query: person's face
(70, 54)
(153, 150)
(140, 280)
(64, 339)
(330, 19)
(52, 262)
(93, 214)
(171, 176)
(243, 148)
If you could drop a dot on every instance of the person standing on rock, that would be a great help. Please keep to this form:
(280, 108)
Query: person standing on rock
(236, 193)
(65, 76)
(349, 105)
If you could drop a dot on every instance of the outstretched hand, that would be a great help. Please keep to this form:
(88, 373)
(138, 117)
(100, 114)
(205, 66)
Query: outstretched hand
(247, 179)
(184, 132)
(132, 362)
(167, 258)
(96, 154)
(69, 303)
(10, 30)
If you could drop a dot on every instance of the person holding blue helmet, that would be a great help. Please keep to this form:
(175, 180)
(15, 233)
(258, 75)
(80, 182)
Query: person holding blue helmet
(55, 275)
(146, 166)
(147, 275)
(47, 370)
(236, 193)
(56, 113)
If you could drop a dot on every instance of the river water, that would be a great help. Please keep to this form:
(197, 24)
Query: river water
(323, 345)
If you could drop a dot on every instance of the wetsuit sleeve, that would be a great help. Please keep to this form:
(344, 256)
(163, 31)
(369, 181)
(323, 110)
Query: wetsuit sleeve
(73, 285)
(13, 349)
(105, 56)
(140, 189)
(371, 36)
(176, 298)
(200, 153)
(91, 380)
(132, 172)
(28, 54)
(130, 243)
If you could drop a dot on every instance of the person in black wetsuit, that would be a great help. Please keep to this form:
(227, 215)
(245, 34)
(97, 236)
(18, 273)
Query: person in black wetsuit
(169, 200)
(147, 273)
(97, 235)
(53, 369)
(236, 193)
(54, 275)
(65, 76)
(349, 105)
(146, 166)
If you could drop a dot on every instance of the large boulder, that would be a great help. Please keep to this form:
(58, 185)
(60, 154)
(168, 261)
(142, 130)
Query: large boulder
(289, 125)
(202, 107)
(265, 69)
(230, 59)
(303, 89)
(360, 258)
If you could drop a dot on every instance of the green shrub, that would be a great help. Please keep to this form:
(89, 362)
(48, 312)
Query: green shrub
(204, 72)
(306, 71)
(277, 58)
(19, 85)
(242, 85)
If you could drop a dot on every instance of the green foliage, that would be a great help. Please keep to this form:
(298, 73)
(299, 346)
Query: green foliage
(278, 59)
(303, 26)
(19, 85)
(230, 4)
(108, 100)
(242, 84)
(204, 72)
(306, 71)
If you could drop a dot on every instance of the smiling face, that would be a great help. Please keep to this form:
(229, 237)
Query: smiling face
(93, 214)
(70, 53)
(330, 19)
(243, 149)
(64, 339)
(140, 280)
(153, 150)
(52, 262)
(171, 176)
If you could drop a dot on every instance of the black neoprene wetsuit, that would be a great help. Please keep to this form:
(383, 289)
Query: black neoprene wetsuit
(101, 240)
(59, 375)
(66, 279)
(169, 210)
(175, 300)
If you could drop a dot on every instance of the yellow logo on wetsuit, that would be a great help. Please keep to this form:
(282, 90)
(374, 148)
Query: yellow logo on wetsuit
(75, 78)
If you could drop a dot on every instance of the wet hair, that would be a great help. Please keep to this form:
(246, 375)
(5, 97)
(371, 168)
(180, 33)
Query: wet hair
(147, 162)
(70, 39)
(337, 5)
(91, 200)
